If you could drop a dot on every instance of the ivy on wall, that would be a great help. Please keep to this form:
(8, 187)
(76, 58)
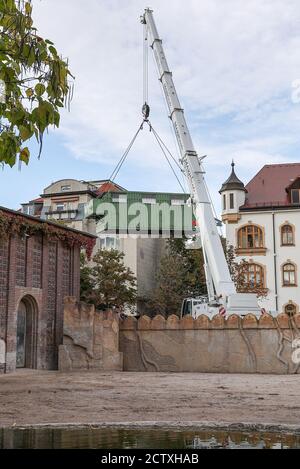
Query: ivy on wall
(12, 224)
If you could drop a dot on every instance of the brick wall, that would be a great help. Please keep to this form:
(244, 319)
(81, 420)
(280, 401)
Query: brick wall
(3, 286)
(40, 273)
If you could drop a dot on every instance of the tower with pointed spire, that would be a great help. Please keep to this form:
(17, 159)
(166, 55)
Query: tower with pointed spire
(233, 193)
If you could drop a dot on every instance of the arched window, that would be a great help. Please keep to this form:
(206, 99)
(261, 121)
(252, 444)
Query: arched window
(287, 235)
(254, 277)
(250, 236)
(289, 274)
(290, 309)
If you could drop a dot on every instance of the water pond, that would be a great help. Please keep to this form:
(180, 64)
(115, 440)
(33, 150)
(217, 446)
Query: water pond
(113, 438)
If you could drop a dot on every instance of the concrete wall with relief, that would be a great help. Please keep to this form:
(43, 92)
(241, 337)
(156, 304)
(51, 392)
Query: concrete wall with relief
(216, 346)
(99, 340)
(90, 339)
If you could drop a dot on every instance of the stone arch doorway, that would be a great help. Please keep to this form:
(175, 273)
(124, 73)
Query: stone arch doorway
(26, 333)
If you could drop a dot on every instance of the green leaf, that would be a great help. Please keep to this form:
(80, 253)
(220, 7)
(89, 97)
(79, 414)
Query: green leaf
(31, 57)
(28, 8)
(53, 51)
(25, 132)
(17, 116)
(39, 89)
(56, 118)
(29, 92)
(24, 155)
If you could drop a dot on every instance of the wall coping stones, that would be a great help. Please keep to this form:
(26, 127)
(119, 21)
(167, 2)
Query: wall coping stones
(233, 321)
(283, 321)
(266, 321)
(249, 322)
(173, 322)
(158, 322)
(187, 322)
(144, 322)
(218, 322)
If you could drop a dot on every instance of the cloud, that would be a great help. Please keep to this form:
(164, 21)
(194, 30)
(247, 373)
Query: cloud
(233, 64)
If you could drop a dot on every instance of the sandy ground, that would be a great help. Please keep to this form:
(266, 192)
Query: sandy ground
(33, 397)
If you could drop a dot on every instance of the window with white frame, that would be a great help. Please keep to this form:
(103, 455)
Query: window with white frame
(65, 188)
(121, 198)
(177, 202)
(149, 200)
(109, 242)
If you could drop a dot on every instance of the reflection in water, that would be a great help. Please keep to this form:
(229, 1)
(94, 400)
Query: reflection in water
(109, 438)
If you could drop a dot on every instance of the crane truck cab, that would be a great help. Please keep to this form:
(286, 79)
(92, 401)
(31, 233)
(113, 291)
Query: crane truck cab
(196, 306)
(200, 305)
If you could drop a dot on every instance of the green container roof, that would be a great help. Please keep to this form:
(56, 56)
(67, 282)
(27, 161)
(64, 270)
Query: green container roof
(142, 212)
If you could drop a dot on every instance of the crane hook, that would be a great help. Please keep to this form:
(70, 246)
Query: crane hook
(146, 111)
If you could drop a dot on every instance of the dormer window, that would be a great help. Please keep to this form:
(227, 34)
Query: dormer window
(295, 196)
(293, 191)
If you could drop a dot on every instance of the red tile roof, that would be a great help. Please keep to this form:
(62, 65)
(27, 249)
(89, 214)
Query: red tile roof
(108, 187)
(268, 187)
(38, 201)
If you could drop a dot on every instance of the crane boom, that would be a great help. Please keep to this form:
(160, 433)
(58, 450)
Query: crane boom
(216, 268)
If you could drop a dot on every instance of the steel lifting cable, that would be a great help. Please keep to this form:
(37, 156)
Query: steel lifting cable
(162, 145)
(124, 156)
(167, 149)
(145, 65)
(146, 111)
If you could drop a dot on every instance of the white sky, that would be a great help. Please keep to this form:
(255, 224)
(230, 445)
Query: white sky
(233, 64)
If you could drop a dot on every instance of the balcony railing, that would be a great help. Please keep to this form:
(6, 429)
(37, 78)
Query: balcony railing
(66, 214)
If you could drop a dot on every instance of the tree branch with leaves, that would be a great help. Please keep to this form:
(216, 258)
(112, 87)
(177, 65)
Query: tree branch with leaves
(239, 271)
(36, 82)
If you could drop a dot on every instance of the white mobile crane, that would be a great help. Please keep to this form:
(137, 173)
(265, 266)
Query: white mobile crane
(222, 293)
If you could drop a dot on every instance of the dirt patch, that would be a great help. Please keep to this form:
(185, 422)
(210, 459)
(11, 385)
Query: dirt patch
(45, 397)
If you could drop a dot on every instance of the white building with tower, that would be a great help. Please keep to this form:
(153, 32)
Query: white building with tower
(262, 220)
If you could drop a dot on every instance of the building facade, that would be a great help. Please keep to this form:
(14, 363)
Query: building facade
(39, 266)
(66, 200)
(262, 222)
(140, 232)
(139, 224)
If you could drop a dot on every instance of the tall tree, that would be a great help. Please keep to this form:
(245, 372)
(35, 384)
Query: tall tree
(34, 80)
(180, 275)
(108, 282)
